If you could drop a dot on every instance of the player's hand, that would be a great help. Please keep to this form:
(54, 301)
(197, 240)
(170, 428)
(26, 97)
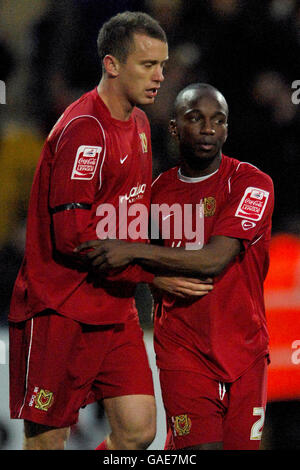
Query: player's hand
(184, 287)
(105, 254)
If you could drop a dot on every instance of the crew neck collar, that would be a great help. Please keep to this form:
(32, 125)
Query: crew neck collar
(189, 179)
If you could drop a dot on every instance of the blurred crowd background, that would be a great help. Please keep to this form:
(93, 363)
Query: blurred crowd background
(249, 49)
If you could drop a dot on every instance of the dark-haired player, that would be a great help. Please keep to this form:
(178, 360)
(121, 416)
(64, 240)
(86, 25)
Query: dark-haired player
(75, 337)
(212, 351)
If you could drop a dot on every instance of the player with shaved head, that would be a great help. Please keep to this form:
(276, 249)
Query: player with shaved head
(212, 351)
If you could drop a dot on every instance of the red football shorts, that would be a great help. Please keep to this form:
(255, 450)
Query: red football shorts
(201, 410)
(58, 365)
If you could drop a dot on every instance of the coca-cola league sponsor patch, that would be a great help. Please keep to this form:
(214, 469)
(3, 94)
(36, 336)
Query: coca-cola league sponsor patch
(253, 204)
(86, 161)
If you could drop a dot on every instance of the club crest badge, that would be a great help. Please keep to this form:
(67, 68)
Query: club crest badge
(209, 206)
(144, 142)
(182, 425)
(43, 400)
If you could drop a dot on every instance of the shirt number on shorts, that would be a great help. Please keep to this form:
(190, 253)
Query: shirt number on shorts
(256, 430)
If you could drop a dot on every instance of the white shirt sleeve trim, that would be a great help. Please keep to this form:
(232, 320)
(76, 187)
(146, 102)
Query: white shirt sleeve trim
(104, 140)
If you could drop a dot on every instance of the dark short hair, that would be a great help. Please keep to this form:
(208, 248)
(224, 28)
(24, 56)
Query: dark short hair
(116, 35)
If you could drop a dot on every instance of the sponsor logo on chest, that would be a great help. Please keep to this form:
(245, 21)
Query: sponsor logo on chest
(135, 193)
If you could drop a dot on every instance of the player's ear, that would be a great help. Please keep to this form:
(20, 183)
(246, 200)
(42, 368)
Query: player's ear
(173, 128)
(111, 65)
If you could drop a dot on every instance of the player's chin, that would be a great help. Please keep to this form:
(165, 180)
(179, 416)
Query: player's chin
(147, 100)
(198, 161)
(204, 156)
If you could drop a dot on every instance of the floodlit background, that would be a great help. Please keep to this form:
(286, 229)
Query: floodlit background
(249, 50)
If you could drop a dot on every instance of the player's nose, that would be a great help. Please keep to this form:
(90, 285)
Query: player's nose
(207, 128)
(158, 75)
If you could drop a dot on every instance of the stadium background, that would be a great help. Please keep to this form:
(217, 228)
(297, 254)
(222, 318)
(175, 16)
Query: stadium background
(248, 49)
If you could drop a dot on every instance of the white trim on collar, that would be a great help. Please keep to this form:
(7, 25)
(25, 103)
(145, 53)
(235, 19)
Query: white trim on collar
(188, 179)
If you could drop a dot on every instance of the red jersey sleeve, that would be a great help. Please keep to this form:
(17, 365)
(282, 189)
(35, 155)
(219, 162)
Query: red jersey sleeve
(75, 179)
(249, 205)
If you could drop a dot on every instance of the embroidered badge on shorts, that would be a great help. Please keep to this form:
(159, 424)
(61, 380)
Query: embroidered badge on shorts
(42, 399)
(181, 425)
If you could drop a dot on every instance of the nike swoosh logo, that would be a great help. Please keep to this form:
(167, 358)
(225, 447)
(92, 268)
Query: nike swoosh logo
(247, 224)
(122, 160)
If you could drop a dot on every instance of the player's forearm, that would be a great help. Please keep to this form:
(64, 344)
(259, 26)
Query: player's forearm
(208, 261)
(179, 261)
(211, 260)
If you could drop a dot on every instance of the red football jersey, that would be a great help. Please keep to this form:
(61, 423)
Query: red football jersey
(224, 332)
(89, 163)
